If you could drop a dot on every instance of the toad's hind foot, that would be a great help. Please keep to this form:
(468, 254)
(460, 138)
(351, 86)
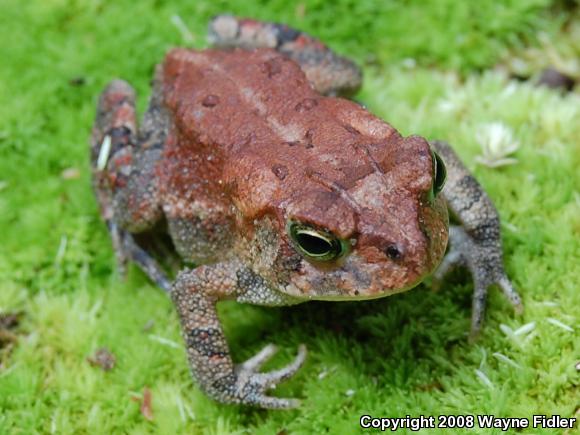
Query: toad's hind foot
(486, 266)
(329, 73)
(127, 249)
(250, 385)
(146, 262)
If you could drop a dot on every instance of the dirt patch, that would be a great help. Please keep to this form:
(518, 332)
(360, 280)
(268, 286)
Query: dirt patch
(103, 358)
(9, 323)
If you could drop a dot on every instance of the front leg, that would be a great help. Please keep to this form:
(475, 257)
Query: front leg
(477, 242)
(195, 294)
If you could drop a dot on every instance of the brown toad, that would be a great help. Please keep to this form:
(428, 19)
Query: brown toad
(279, 192)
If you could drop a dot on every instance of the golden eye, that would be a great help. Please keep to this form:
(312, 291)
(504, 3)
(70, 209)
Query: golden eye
(316, 244)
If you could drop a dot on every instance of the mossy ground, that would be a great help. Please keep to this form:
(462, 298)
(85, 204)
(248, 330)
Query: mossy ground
(407, 354)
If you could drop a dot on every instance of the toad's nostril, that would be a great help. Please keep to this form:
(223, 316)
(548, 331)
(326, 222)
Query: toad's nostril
(393, 252)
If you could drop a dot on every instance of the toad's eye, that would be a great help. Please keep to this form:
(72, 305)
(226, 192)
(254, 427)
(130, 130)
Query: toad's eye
(316, 244)
(439, 174)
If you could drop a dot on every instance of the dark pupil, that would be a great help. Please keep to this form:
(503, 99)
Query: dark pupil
(312, 244)
(440, 174)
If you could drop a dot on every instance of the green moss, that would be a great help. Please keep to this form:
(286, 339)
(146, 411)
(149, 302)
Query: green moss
(403, 355)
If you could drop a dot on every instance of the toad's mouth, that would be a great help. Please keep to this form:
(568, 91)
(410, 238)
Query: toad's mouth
(350, 297)
(351, 286)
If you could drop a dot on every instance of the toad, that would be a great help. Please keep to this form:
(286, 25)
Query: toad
(279, 191)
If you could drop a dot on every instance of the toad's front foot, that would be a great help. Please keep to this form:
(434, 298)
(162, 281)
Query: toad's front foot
(195, 294)
(484, 261)
(477, 242)
(250, 386)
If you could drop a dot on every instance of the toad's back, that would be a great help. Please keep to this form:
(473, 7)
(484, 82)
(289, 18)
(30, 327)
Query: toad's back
(251, 118)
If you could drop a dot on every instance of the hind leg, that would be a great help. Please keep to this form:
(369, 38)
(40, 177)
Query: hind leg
(123, 162)
(330, 73)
